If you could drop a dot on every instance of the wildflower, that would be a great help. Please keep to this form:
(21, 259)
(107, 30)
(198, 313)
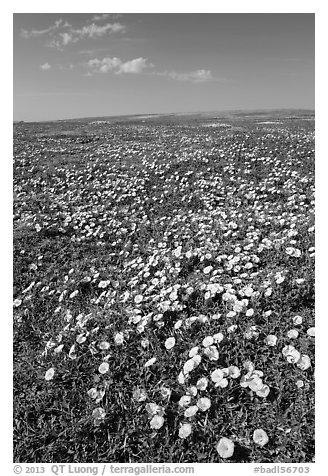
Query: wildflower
(304, 362)
(154, 409)
(208, 341)
(191, 411)
(297, 320)
(103, 367)
(292, 355)
(188, 366)
(271, 340)
(185, 430)
(193, 351)
(49, 374)
(264, 391)
(139, 394)
(178, 324)
(181, 378)
(268, 292)
(299, 383)
(144, 343)
(249, 312)
(292, 334)
(216, 316)
(222, 384)
(72, 353)
(184, 400)
(98, 415)
(212, 353)
(217, 375)
(218, 337)
(119, 338)
(81, 338)
(92, 393)
(58, 349)
(280, 279)
(17, 302)
(207, 270)
(233, 371)
(225, 448)
(232, 328)
(204, 404)
(156, 422)
(166, 392)
(103, 345)
(260, 437)
(169, 343)
(231, 314)
(138, 299)
(202, 383)
(311, 332)
(150, 362)
(192, 391)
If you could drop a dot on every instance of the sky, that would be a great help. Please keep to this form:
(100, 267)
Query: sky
(70, 65)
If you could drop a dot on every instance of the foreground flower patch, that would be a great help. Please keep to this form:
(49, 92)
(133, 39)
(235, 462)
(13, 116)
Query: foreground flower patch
(164, 291)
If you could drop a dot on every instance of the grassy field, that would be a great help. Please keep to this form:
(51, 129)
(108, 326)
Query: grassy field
(164, 289)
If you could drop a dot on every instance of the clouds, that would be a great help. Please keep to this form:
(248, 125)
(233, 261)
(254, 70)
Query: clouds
(198, 76)
(45, 66)
(116, 65)
(61, 33)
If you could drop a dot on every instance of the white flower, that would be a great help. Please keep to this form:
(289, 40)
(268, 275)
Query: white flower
(204, 404)
(202, 383)
(217, 375)
(263, 392)
(207, 270)
(208, 341)
(193, 351)
(232, 328)
(293, 357)
(139, 394)
(156, 422)
(154, 409)
(222, 384)
(260, 437)
(225, 448)
(304, 362)
(297, 320)
(170, 342)
(49, 374)
(150, 362)
(292, 334)
(249, 312)
(192, 390)
(234, 371)
(103, 368)
(191, 411)
(211, 352)
(72, 353)
(271, 340)
(104, 345)
(188, 366)
(218, 337)
(299, 383)
(119, 338)
(181, 378)
(231, 314)
(311, 332)
(138, 299)
(178, 324)
(185, 430)
(185, 400)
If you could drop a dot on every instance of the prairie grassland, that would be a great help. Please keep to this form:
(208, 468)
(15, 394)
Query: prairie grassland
(164, 291)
